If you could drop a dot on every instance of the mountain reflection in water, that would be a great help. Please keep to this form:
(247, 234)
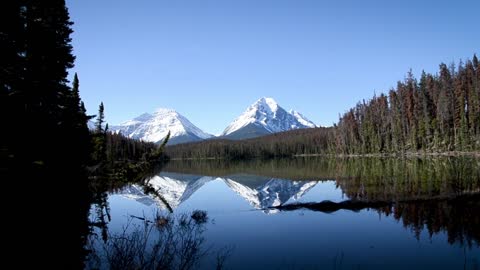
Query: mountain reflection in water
(260, 192)
(436, 202)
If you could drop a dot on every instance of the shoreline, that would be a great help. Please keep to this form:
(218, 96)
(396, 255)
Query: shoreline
(399, 155)
(475, 154)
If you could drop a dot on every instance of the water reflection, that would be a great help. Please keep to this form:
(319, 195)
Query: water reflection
(368, 178)
(319, 204)
(161, 241)
(171, 190)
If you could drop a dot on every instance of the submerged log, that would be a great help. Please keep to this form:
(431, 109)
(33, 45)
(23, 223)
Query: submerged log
(330, 207)
(357, 205)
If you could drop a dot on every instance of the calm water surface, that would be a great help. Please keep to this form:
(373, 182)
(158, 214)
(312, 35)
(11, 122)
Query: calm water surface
(427, 216)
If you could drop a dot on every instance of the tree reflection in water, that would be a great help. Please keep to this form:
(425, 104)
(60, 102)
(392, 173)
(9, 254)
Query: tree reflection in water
(436, 194)
(165, 241)
(458, 217)
(425, 195)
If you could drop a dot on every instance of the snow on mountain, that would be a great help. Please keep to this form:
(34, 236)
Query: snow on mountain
(175, 189)
(265, 116)
(273, 193)
(135, 192)
(155, 127)
(302, 119)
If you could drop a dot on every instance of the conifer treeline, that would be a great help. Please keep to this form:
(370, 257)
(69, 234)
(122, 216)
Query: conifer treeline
(301, 141)
(121, 148)
(45, 116)
(109, 147)
(439, 112)
(45, 143)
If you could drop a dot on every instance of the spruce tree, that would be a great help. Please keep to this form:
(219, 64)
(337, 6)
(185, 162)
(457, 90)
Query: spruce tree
(100, 138)
(100, 119)
(75, 91)
(36, 54)
(45, 149)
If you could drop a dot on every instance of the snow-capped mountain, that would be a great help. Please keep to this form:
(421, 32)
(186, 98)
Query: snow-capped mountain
(302, 119)
(155, 127)
(263, 117)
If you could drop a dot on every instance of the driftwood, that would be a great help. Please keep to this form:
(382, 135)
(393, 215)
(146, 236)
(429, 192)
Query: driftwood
(330, 207)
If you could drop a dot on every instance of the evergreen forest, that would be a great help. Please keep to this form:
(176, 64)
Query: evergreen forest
(438, 113)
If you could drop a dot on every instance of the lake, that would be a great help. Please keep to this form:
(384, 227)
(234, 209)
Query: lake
(303, 213)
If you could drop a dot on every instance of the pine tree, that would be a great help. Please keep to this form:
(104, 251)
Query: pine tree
(461, 104)
(475, 61)
(76, 91)
(100, 138)
(43, 145)
(100, 119)
(426, 107)
(37, 53)
(11, 62)
(476, 101)
(439, 113)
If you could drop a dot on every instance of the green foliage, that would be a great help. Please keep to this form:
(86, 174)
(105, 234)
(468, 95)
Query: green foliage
(99, 138)
(113, 149)
(439, 113)
(100, 119)
(367, 178)
(48, 144)
(285, 144)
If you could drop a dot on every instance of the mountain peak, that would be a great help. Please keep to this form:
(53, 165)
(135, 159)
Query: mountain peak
(263, 117)
(155, 127)
(267, 101)
(165, 111)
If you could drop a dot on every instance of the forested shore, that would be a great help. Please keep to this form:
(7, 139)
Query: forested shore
(439, 114)
(45, 143)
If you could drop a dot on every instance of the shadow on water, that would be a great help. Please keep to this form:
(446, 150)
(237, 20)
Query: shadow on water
(51, 217)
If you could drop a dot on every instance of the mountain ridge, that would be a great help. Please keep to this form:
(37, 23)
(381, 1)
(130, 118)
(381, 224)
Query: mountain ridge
(263, 117)
(154, 127)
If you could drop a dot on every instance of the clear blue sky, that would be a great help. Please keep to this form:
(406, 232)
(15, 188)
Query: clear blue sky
(209, 60)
